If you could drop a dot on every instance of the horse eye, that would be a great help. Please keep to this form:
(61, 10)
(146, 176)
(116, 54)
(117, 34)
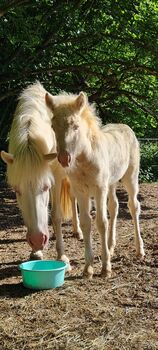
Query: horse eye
(75, 127)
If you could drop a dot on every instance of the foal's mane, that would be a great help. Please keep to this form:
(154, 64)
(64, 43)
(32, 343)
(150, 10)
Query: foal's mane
(28, 140)
(89, 114)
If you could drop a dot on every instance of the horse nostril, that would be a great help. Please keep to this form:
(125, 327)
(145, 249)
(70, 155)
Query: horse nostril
(69, 158)
(37, 241)
(45, 240)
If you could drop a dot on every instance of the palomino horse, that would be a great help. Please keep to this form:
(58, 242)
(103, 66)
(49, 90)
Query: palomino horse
(95, 159)
(31, 173)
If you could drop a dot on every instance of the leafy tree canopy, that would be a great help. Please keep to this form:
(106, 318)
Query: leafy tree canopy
(107, 48)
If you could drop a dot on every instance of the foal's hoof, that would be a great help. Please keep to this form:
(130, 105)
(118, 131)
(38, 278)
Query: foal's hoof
(105, 273)
(140, 254)
(78, 235)
(88, 272)
(66, 260)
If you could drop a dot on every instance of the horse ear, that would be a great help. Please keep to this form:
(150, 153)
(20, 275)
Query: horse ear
(7, 157)
(80, 101)
(49, 101)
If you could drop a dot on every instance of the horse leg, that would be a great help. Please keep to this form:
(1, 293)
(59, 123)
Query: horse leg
(57, 221)
(102, 224)
(85, 222)
(113, 212)
(75, 220)
(131, 185)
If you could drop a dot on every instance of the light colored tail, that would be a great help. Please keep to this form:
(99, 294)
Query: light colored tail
(65, 199)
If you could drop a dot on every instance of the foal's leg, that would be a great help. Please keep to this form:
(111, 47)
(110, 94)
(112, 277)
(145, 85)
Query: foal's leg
(131, 185)
(75, 219)
(102, 224)
(85, 222)
(57, 221)
(113, 212)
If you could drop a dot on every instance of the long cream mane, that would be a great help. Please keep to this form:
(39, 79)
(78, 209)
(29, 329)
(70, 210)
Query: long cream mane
(30, 138)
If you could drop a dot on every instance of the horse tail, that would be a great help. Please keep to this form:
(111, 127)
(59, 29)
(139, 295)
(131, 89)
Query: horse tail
(65, 199)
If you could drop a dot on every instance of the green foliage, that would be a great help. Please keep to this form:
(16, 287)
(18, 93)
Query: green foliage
(107, 48)
(149, 162)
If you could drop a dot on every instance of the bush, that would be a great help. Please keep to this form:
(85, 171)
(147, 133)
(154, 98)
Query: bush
(149, 162)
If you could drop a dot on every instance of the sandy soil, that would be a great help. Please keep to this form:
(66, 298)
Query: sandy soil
(116, 314)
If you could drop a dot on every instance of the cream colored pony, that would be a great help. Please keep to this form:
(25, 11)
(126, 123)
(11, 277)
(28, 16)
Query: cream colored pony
(31, 173)
(96, 158)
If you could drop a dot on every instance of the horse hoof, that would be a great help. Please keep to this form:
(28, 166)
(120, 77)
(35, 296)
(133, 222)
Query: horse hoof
(105, 273)
(88, 272)
(69, 268)
(140, 254)
(78, 235)
(36, 255)
(66, 260)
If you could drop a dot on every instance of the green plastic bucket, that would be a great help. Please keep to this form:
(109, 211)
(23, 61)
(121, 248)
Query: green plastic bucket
(43, 274)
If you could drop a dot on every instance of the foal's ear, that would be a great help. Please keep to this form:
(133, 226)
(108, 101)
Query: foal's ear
(80, 101)
(49, 101)
(7, 157)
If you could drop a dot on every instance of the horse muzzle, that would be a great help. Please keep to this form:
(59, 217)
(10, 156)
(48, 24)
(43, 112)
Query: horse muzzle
(37, 240)
(64, 159)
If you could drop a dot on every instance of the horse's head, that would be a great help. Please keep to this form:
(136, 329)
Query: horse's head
(66, 123)
(32, 193)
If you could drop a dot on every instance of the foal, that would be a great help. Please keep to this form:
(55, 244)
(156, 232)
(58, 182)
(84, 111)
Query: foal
(96, 158)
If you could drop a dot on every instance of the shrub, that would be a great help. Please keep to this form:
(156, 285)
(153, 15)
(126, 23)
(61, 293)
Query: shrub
(149, 162)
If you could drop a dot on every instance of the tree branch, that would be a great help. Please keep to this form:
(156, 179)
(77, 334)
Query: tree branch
(9, 94)
(11, 4)
(139, 68)
(54, 69)
(130, 94)
(143, 108)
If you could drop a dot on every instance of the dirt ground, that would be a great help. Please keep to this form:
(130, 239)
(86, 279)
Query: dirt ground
(116, 314)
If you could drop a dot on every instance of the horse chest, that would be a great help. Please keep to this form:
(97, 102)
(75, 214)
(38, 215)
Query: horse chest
(84, 178)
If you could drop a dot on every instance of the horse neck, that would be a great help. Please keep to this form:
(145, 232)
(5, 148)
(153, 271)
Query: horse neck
(90, 133)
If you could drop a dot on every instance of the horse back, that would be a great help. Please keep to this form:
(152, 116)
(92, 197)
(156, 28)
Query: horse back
(123, 150)
(121, 135)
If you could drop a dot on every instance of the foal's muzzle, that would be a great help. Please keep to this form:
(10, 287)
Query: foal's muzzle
(64, 159)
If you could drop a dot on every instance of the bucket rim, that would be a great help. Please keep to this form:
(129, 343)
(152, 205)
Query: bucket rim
(23, 268)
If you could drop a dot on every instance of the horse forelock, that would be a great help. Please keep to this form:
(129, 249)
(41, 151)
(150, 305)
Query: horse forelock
(29, 169)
